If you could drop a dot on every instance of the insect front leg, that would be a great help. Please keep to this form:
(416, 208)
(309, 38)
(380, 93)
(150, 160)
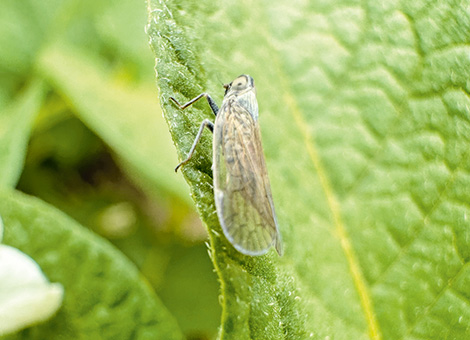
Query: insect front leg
(212, 104)
(205, 123)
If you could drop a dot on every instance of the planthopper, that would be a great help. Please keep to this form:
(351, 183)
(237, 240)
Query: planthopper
(242, 191)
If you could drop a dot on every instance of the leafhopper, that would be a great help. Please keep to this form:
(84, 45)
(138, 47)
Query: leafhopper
(242, 191)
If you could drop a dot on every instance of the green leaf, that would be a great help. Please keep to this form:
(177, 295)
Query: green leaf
(364, 111)
(15, 126)
(105, 295)
(127, 119)
(20, 37)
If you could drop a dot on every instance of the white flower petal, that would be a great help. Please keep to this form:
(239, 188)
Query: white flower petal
(26, 296)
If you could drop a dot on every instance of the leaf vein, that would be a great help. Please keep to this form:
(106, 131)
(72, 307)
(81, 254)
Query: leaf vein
(353, 263)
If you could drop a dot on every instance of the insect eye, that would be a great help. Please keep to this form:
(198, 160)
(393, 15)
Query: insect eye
(240, 83)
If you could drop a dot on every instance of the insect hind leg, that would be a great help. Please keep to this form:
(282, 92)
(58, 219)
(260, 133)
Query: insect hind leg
(206, 123)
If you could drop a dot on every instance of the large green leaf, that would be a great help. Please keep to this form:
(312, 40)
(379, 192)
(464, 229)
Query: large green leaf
(105, 295)
(364, 111)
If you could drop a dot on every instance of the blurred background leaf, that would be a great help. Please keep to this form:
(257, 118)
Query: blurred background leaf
(96, 304)
(15, 127)
(81, 128)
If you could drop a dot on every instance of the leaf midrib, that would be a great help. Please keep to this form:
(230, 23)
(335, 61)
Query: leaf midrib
(333, 205)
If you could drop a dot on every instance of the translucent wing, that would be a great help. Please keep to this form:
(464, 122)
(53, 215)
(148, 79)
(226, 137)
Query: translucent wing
(241, 185)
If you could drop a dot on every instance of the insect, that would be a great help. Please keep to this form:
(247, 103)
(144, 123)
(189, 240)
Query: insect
(242, 191)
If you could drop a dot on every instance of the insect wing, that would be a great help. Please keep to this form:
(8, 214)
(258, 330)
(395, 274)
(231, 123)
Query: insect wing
(241, 185)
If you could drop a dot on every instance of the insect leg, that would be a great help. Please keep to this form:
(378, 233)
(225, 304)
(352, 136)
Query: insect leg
(212, 104)
(205, 123)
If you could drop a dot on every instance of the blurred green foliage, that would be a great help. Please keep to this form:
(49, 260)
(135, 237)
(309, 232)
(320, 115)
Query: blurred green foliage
(81, 128)
(364, 112)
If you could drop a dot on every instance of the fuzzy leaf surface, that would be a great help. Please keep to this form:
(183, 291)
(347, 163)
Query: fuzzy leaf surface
(364, 112)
